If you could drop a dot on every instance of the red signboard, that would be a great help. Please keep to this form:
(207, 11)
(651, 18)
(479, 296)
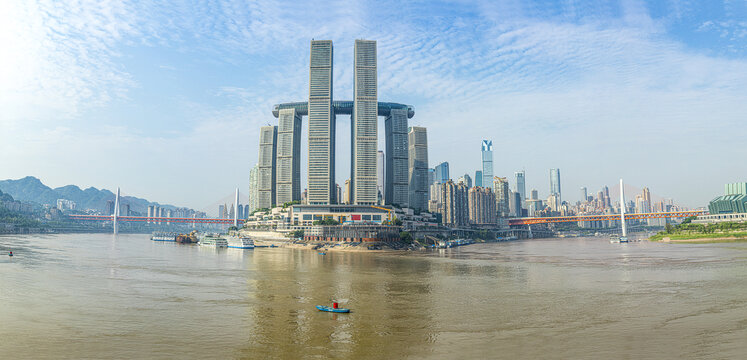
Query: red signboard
(355, 217)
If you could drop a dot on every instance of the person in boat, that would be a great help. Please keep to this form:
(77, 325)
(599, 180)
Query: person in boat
(10, 253)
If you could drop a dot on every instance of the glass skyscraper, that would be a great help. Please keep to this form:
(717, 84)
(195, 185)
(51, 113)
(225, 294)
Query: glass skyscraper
(442, 172)
(555, 183)
(321, 125)
(521, 185)
(478, 178)
(418, 169)
(487, 161)
(364, 123)
(288, 186)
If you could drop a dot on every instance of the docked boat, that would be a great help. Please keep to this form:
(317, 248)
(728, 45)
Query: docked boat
(240, 242)
(213, 241)
(190, 238)
(163, 236)
(332, 309)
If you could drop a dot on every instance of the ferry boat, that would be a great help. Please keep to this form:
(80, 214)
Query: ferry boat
(240, 242)
(163, 236)
(213, 241)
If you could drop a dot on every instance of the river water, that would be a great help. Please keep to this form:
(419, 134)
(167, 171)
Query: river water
(126, 297)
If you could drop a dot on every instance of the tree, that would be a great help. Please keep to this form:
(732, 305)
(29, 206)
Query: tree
(405, 237)
(327, 221)
(397, 222)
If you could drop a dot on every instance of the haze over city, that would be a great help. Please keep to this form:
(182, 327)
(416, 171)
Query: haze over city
(166, 102)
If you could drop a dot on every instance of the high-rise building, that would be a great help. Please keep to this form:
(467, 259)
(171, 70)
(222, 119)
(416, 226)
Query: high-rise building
(418, 169)
(455, 207)
(584, 194)
(481, 205)
(254, 188)
(478, 178)
(500, 188)
(442, 172)
(434, 199)
(247, 211)
(514, 204)
(520, 186)
(288, 162)
(348, 191)
(397, 184)
(338, 192)
(221, 211)
(431, 176)
(364, 125)
(268, 136)
(380, 165)
(487, 162)
(466, 180)
(321, 166)
(555, 183)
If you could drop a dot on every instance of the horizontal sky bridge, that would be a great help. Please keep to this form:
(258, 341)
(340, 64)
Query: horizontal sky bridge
(344, 107)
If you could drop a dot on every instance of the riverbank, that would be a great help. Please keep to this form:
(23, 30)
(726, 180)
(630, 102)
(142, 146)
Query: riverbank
(708, 239)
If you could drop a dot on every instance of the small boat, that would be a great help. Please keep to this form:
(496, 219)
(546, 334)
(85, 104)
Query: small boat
(10, 253)
(331, 309)
(322, 253)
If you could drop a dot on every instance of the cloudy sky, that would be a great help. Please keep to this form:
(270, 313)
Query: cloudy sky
(165, 100)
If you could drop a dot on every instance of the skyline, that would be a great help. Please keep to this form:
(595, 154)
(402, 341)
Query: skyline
(118, 89)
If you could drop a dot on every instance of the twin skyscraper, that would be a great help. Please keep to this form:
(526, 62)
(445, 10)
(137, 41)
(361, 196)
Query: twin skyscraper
(279, 175)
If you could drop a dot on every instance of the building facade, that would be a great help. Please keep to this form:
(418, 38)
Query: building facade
(321, 165)
(418, 168)
(487, 161)
(500, 188)
(555, 183)
(288, 162)
(380, 173)
(442, 172)
(454, 212)
(268, 136)
(364, 125)
(520, 185)
(481, 203)
(396, 186)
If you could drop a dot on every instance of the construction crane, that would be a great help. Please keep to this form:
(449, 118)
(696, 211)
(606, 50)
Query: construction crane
(388, 211)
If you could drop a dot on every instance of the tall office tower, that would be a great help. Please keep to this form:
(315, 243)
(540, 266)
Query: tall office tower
(221, 211)
(534, 194)
(481, 205)
(418, 169)
(442, 172)
(514, 204)
(555, 183)
(584, 194)
(380, 165)
(500, 188)
(520, 186)
(466, 180)
(268, 139)
(607, 199)
(478, 178)
(397, 183)
(240, 209)
(454, 210)
(321, 166)
(364, 125)
(646, 194)
(431, 176)
(348, 191)
(487, 162)
(254, 188)
(247, 211)
(288, 162)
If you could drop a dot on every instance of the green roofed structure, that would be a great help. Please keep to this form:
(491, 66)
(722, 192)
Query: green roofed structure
(733, 201)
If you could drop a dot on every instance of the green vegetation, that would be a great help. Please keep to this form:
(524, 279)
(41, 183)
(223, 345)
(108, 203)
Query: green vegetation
(486, 235)
(396, 222)
(687, 231)
(328, 221)
(294, 202)
(296, 234)
(406, 237)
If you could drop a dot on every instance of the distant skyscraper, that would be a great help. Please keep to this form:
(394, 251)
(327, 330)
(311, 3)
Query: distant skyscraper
(478, 178)
(222, 211)
(321, 166)
(555, 183)
(487, 161)
(380, 166)
(584, 194)
(267, 166)
(254, 188)
(442, 172)
(418, 169)
(338, 193)
(397, 181)
(431, 176)
(500, 188)
(288, 163)
(466, 180)
(364, 125)
(520, 186)
(348, 191)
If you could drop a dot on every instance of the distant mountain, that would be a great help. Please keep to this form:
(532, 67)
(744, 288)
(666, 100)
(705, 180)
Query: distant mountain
(31, 189)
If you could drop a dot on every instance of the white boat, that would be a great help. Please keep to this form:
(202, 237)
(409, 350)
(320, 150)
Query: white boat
(213, 241)
(163, 236)
(240, 242)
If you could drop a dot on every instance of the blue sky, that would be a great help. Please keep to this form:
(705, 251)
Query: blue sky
(165, 100)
